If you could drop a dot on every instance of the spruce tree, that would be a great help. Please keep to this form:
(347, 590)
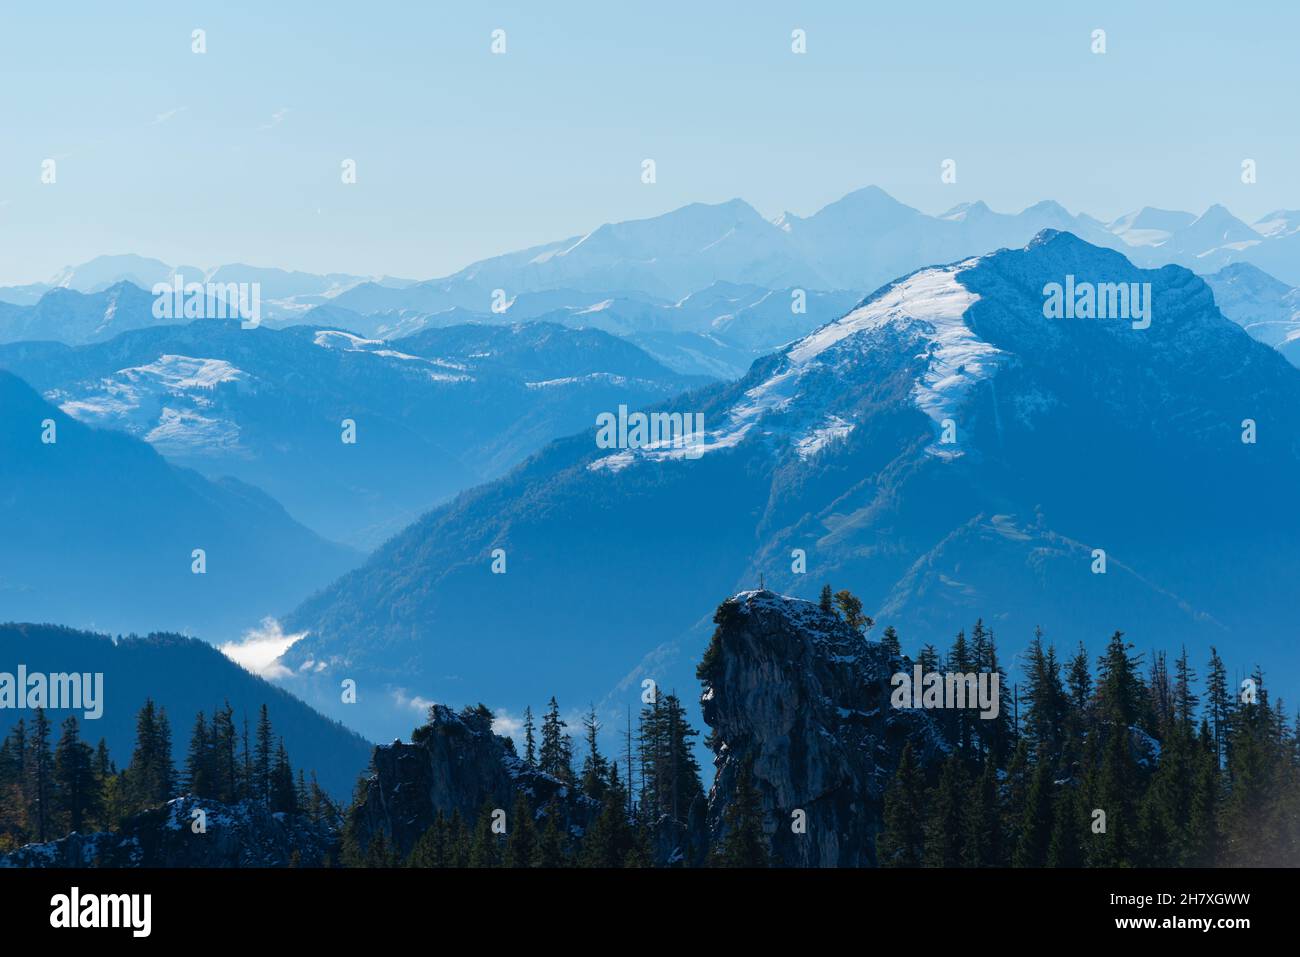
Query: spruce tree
(521, 835)
(198, 760)
(150, 778)
(284, 795)
(40, 778)
(76, 787)
(556, 754)
(744, 842)
(225, 759)
(901, 842)
(944, 830)
(552, 845)
(889, 641)
(530, 740)
(982, 844)
(1220, 704)
(486, 849)
(827, 600)
(431, 849)
(595, 769)
(610, 839)
(1035, 833)
(1047, 703)
(1065, 848)
(263, 759)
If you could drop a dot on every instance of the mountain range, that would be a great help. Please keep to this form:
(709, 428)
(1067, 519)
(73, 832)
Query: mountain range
(855, 243)
(440, 411)
(99, 531)
(944, 450)
(706, 288)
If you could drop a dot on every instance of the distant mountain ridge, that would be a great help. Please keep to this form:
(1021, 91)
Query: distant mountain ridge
(184, 676)
(855, 243)
(835, 445)
(435, 412)
(97, 530)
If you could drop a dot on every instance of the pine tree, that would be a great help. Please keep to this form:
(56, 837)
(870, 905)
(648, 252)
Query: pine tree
(530, 741)
(901, 843)
(1065, 848)
(225, 761)
(1046, 698)
(744, 842)
(556, 754)
(40, 777)
(486, 848)
(458, 841)
(889, 640)
(105, 772)
(283, 796)
(982, 844)
(827, 600)
(1220, 704)
(262, 760)
(944, 830)
(198, 761)
(521, 835)
(431, 850)
(850, 607)
(1035, 832)
(595, 769)
(150, 778)
(670, 774)
(552, 849)
(76, 788)
(610, 838)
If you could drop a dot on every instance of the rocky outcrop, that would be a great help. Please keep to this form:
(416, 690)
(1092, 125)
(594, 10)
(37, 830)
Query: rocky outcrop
(805, 699)
(454, 764)
(235, 835)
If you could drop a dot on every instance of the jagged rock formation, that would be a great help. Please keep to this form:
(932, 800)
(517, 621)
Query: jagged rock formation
(454, 763)
(237, 835)
(806, 699)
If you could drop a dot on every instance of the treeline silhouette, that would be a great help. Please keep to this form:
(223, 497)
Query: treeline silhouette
(49, 790)
(1125, 766)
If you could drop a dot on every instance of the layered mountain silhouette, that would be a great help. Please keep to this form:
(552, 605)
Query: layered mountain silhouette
(855, 243)
(1067, 436)
(1269, 310)
(184, 676)
(97, 530)
(434, 413)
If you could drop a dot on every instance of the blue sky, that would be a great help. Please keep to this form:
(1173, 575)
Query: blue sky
(235, 155)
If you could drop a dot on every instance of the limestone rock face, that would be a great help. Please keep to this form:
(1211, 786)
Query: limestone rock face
(806, 699)
(455, 763)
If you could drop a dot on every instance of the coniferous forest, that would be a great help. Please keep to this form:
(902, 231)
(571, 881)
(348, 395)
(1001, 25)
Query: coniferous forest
(1121, 762)
(51, 787)
(1115, 761)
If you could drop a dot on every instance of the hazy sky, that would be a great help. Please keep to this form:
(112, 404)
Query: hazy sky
(234, 155)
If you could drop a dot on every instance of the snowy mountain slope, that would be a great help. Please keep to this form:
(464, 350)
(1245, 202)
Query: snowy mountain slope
(435, 413)
(97, 530)
(1267, 309)
(1068, 436)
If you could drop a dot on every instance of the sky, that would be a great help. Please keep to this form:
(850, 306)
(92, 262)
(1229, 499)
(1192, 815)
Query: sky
(234, 155)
